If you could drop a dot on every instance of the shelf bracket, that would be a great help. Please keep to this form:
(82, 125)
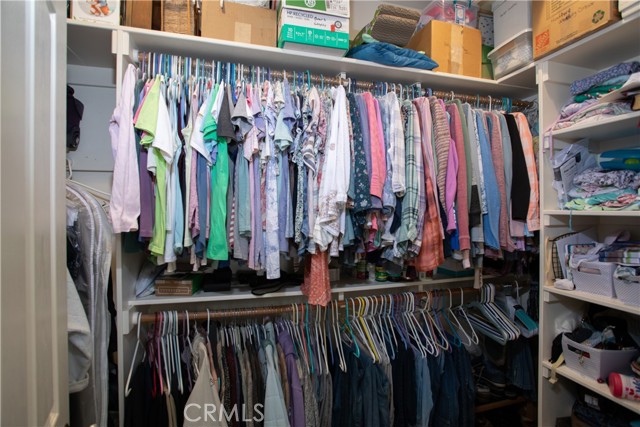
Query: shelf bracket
(128, 315)
(550, 298)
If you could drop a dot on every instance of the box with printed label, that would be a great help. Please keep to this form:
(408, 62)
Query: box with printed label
(559, 23)
(456, 48)
(329, 7)
(297, 28)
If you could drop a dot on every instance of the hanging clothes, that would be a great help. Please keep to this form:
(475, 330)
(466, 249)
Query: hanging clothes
(268, 170)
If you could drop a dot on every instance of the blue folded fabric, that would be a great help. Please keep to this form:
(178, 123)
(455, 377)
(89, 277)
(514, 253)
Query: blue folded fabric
(388, 54)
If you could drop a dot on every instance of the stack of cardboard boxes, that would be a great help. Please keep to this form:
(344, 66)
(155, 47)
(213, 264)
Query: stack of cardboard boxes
(319, 26)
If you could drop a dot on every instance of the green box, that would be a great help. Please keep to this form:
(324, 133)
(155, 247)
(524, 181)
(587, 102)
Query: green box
(329, 7)
(297, 27)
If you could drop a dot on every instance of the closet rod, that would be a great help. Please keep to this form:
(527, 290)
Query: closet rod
(468, 294)
(368, 85)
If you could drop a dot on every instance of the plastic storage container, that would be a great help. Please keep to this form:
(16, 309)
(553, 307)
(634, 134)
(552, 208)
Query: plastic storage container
(510, 17)
(595, 277)
(512, 55)
(453, 11)
(627, 292)
(594, 363)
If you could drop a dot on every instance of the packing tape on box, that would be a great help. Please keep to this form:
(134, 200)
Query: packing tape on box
(457, 50)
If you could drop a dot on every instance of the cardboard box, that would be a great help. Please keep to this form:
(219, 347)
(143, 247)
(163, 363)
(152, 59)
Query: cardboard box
(238, 22)
(104, 11)
(328, 7)
(312, 31)
(456, 48)
(178, 285)
(139, 14)
(558, 23)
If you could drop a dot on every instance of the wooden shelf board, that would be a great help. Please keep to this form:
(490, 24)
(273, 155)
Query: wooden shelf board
(244, 292)
(594, 299)
(601, 388)
(621, 214)
(606, 129)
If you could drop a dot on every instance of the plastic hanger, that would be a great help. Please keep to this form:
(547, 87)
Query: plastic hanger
(442, 341)
(127, 390)
(429, 340)
(414, 339)
(493, 323)
(457, 327)
(376, 319)
(336, 332)
(355, 324)
(395, 316)
(306, 328)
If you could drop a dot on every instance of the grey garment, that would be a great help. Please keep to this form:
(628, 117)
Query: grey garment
(595, 178)
(325, 402)
(90, 405)
(311, 414)
(171, 410)
(241, 201)
(275, 411)
(477, 204)
(386, 367)
(80, 342)
(247, 388)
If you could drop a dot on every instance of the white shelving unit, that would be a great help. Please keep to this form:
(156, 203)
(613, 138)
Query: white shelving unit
(97, 57)
(554, 74)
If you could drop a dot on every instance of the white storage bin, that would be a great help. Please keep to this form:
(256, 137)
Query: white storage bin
(594, 363)
(600, 282)
(512, 55)
(627, 292)
(510, 17)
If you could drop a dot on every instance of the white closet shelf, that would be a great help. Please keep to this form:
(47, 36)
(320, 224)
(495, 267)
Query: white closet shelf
(593, 385)
(607, 129)
(592, 298)
(82, 40)
(619, 214)
(602, 49)
(525, 76)
(244, 292)
(90, 44)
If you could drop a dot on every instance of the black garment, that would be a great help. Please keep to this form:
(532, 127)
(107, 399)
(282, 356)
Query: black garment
(75, 109)
(225, 127)
(136, 412)
(475, 209)
(467, 390)
(435, 375)
(341, 409)
(403, 369)
(520, 186)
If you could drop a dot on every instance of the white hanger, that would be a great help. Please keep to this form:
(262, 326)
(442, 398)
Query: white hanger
(336, 334)
(99, 194)
(411, 327)
(374, 321)
(430, 340)
(457, 325)
(387, 318)
(442, 342)
(127, 390)
(176, 344)
(460, 309)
